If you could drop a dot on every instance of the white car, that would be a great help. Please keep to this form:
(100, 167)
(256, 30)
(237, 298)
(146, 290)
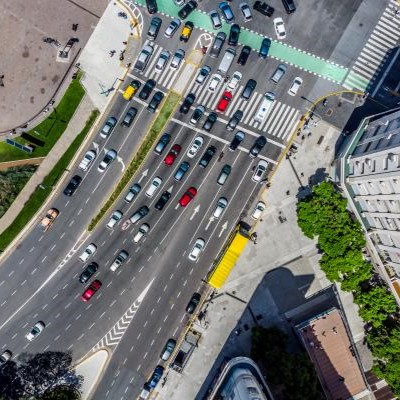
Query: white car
(154, 186)
(246, 11)
(295, 86)
(35, 331)
(162, 61)
(115, 218)
(279, 26)
(87, 160)
(177, 59)
(195, 146)
(197, 249)
(259, 171)
(216, 79)
(234, 81)
(89, 251)
(258, 210)
(220, 207)
(5, 356)
(143, 230)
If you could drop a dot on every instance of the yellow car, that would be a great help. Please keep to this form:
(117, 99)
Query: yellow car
(186, 31)
(131, 90)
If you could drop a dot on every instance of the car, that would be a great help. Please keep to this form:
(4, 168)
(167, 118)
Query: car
(147, 89)
(168, 350)
(162, 61)
(181, 171)
(226, 98)
(210, 121)
(259, 171)
(244, 55)
(186, 31)
(49, 219)
(279, 73)
(162, 143)
(88, 252)
(163, 200)
(156, 376)
(295, 86)
(91, 290)
(207, 156)
(139, 214)
(264, 48)
(258, 210)
(152, 7)
(144, 57)
(216, 79)
(132, 192)
(114, 219)
(279, 26)
(224, 174)
(87, 160)
(193, 303)
(177, 59)
(220, 207)
(289, 5)
(197, 249)
(132, 88)
(238, 138)
(215, 19)
(110, 156)
(172, 27)
(119, 260)
(195, 146)
(143, 230)
(249, 89)
(88, 272)
(5, 356)
(108, 127)
(35, 331)
(154, 28)
(258, 145)
(187, 103)
(234, 120)
(234, 35)
(234, 81)
(155, 101)
(188, 196)
(172, 155)
(264, 8)
(226, 12)
(187, 9)
(72, 185)
(197, 114)
(217, 44)
(129, 117)
(244, 7)
(154, 186)
(202, 75)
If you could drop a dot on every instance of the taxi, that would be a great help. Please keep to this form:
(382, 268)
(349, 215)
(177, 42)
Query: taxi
(186, 31)
(131, 90)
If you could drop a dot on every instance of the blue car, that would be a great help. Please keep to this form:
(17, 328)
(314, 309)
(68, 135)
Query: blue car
(226, 11)
(156, 376)
(264, 48)
(181, 171)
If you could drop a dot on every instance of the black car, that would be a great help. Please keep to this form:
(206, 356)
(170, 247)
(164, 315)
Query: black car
(88, 272)
(185, 11)
(217, 45)
(207, 156)
(193, 303)
(239, 137)
(152, 7)
(197, 114)
(72, 185)
(155, 101)
(155, 377)
(163, 200)
(258, 145)
(264, 49)
(210, 121)
(234, 35)
(129, 117)
(244, 55)
(249, 89)
(235, 119)
(147, 89)
(187, 103)
(162, 143)
(155, 25)
(264, 8)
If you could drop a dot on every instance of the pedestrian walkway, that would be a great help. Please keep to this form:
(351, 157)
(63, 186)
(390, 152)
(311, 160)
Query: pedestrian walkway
(382, 40)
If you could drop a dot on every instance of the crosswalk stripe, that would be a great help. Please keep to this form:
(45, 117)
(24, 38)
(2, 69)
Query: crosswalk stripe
(363, 73)
(287, 118)
(382, 32)
(367, 53)
(364, 59)
(291, 125)
(390, 24)
(273, 117)
(252, 106)
(378, 52)
(386, 31)
(383, 43)
(369, 70)
(282, 122)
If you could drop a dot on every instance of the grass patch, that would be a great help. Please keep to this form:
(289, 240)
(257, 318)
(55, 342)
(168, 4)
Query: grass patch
(50, 129)
(39, 196)
(155, 130)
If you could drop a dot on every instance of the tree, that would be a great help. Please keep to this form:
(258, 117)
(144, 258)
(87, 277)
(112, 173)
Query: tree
(61, 393)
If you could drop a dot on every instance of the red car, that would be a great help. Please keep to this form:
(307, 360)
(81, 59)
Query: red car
(188, 196)
(173, 153)
(91, 290)
(225, 100)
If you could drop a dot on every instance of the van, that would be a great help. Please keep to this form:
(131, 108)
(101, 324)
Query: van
(226, 61)
(265, 107)
(289, 6)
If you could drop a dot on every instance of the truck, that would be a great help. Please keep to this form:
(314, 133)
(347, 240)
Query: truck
(185, 350)
(144, 57)
(226, 61)
(48, 220)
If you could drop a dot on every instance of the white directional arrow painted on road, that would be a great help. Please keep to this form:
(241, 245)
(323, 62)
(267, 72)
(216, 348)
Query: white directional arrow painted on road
(144, 174)
(195, 211)
(223, 228)
(170, 188)
(96, 146)
(122, 162)
(209, 223)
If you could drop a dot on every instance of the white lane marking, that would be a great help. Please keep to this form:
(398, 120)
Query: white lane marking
(91, 326)
(77, 317)
(145, 324)
(159, 330)
(67, 306)
(4, 302)
(2, 283)
(138, 336)
(81, 336)
(57, 337)
(21, 261)
(62, 235)
(122, 292)
(152, 342)
(53, 247)
(172, 306)
(102, 315)
(65, 286)
(177, 296)
(55, 296)
(67, 327)
(79, 211)
(165, 287)
(40, 239)
(12, 294)
(14, 336)
(151, 312)
(33, 248)
(144, 357)
(113, 302)
(23, 283)
(166, 318)
(71, 223)
(32, 272)
(44, 258)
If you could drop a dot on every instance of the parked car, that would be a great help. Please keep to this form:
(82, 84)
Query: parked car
(226, 11)
(217, 44)
(258, 210)
(152, 7)
(156, 376)
(177, 59)
(110, 156)
(131, 89)
(234, 81)
(234, 120)
(72, 185)
(88, 272)
(264, 8)
(143, 230)
(172, 27)
(181, 171)
(202, 75)
(195, 146)
(139, 214)
(197, 249)
(108, 127)
(220, 207)
(234, 35)
(187, 9)
(224, 174)
(162, 61)
(186, 31)
(207, 156)
(144, 57)
(87, 160)
(114, 219)
(163, 200)
(245, 9)
(35, 331)
(215, 19)
(168, 350)
(147, 89)
(187, 103)
(279, 73)
(129, 117)
(49, 219)
(264, 48)
(172, 154)
(193, 303)
(154, 186)
(119, 260)
(188, 196)
(88, 252)
(280, 30)
(155, 101)
(238, 138)
(249, 89)
(4, 357)
(216, 79)
(132, 192)
(162, 143)
(226, 98)
(154, 28)
(197, 114)
(244, 55)
(259, 171)
(295, 86)
(210, 121)
(91, 290)
(258, 145)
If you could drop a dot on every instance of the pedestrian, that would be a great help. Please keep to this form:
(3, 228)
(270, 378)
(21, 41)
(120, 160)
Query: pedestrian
(302, 174)
(112, 52)
(288, 192)
(125, 43)
(75, 27)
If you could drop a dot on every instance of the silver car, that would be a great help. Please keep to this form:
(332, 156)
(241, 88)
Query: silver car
(177, 59)
(110, 156)
(115, 218)
(220, 207)
(133, 192)
(108, 127)
(162, 61)
(119, 260)
(87, 160)
(172, 27)
(202, 75)
(215, 19)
